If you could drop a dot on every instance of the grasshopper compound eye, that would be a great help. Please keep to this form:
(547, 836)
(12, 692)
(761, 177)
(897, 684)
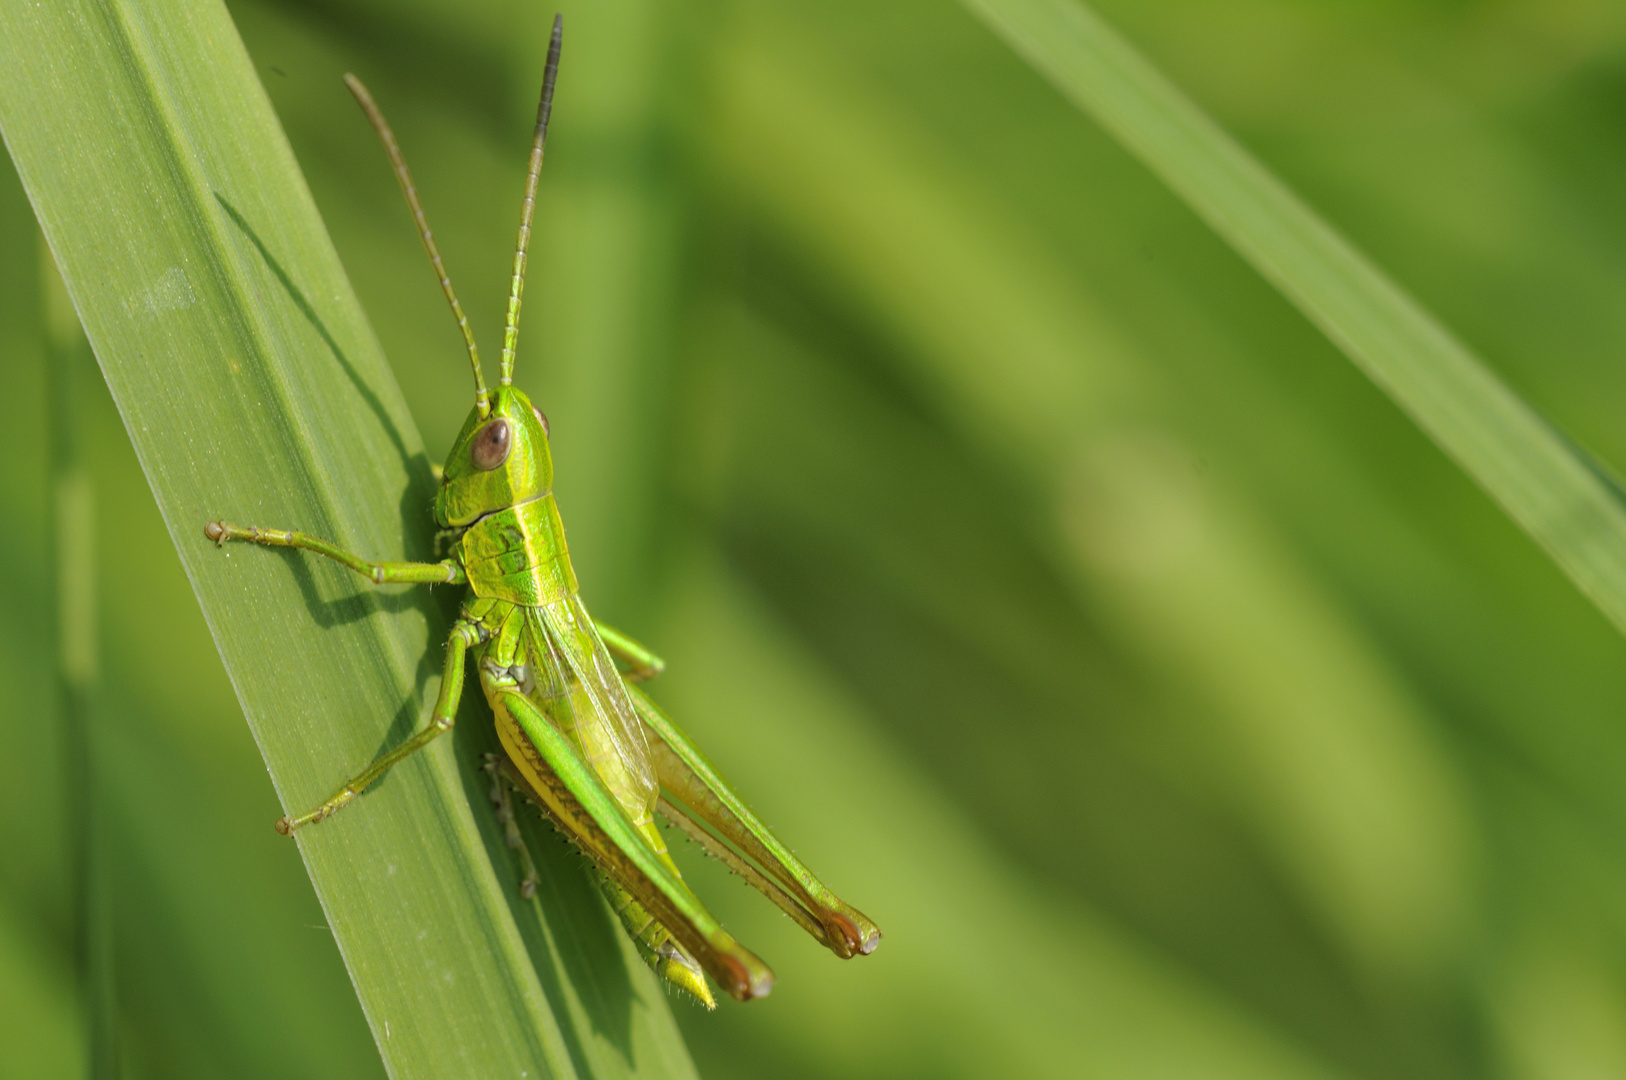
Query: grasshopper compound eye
(491, 446)
(542, 418)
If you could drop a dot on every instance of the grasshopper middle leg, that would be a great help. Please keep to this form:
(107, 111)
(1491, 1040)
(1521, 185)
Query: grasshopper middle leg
(464, 635)
(505, 783)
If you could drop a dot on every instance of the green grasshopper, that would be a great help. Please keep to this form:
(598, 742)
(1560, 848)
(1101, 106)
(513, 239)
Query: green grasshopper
(583, 742)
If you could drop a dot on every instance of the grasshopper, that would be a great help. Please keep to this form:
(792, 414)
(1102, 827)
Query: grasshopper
(582, 740)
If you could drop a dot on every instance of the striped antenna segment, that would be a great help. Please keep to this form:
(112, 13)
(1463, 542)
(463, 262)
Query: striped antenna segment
(482, 398)
(527, 207)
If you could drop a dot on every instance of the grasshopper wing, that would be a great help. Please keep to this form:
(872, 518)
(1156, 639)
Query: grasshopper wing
(579, 686)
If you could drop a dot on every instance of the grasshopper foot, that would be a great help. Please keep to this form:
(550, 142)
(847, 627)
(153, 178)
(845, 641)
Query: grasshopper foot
(860, 940)
(287, 825)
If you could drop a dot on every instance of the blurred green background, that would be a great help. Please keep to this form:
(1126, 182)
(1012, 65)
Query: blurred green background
(1061, 595)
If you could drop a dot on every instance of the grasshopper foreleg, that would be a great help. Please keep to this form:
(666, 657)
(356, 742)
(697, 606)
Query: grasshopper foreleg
(379, 573)
(464, 635)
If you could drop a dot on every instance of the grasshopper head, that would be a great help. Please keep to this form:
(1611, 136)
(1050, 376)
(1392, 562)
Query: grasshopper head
(501, 456)
(500, 459)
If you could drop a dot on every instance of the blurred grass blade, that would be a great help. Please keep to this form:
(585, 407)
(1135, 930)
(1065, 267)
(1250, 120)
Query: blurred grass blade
(1555, 491)
(78, 669)
(253, 389)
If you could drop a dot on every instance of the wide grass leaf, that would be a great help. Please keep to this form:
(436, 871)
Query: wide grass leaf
(1554, 490)
(253, 390)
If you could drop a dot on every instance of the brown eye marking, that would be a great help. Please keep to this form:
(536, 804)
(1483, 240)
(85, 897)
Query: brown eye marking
(542, 418)
(491, 446)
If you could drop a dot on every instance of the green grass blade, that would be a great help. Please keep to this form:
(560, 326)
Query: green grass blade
(254, 390)
(1555, 491)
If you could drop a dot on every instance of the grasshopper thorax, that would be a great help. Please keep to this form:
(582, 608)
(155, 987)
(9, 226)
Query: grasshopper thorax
(500, 459)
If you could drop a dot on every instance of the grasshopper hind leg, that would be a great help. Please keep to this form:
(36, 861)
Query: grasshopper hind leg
(655, 944)
(653, 941)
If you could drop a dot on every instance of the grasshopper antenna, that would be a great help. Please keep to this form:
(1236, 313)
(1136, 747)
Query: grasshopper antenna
(527, 207)
(482, 398)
